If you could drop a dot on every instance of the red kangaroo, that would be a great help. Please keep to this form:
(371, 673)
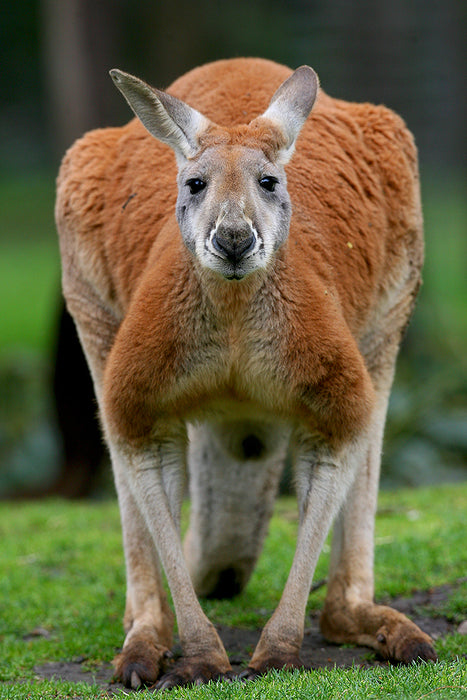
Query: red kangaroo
(239, 301)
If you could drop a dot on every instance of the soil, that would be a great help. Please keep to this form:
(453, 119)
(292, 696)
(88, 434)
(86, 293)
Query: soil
(316, 652)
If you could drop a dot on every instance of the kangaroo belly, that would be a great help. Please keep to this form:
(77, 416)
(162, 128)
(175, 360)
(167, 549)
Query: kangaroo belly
(234, 469)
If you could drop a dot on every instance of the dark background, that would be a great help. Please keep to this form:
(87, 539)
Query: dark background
(408, 54)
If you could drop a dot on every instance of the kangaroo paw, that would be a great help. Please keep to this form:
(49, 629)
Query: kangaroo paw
(262, 665)
(140, 663)
(193, 671)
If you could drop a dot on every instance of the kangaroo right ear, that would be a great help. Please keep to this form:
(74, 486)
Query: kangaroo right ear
(290, 106)
(167, 118)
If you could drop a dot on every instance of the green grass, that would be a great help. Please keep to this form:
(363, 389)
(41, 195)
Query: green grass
(440, 681)
(61, 569)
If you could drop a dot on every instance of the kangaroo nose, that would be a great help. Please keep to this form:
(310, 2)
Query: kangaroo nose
(232, 245)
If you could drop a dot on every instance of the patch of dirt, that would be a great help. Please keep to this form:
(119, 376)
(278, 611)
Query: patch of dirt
(316, 651)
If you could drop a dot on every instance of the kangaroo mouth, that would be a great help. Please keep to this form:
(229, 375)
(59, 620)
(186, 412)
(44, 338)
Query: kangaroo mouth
(235, 276)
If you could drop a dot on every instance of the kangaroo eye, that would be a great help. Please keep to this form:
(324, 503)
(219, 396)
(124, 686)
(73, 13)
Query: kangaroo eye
(195, 185)
(268, 183)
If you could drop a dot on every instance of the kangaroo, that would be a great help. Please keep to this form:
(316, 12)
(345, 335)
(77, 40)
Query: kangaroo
(238, 302)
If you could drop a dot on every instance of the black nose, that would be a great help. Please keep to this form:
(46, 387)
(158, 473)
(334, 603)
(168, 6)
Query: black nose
(233, 245)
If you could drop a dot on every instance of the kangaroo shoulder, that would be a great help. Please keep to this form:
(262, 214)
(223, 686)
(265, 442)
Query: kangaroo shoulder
(115, 191)
(81, 180)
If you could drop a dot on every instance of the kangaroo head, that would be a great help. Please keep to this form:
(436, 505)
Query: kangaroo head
(233, 208)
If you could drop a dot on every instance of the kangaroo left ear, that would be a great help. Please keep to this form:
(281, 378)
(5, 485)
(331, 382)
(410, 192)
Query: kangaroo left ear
(290, 106)
(168, 119)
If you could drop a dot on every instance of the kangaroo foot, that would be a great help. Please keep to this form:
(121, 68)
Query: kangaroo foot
(258, 667)
(194, 671)
(141, 662)
(382, 628)
(402, 641)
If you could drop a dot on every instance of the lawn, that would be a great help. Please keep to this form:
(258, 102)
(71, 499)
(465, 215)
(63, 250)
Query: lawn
(62, 589)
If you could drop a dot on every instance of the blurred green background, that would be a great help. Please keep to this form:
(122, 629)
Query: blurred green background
(55, 56)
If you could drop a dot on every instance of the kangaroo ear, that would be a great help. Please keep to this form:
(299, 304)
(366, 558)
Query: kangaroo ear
(167, 118)
(290, 106)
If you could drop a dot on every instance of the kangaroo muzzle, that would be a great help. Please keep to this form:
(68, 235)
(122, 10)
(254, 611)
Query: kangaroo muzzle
(233, 244)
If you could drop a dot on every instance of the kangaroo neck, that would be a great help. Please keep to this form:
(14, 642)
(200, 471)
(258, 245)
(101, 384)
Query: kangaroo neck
(230, 298)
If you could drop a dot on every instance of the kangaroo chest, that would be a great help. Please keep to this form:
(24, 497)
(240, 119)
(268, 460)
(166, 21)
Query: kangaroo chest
(264, 359)
(232, 363)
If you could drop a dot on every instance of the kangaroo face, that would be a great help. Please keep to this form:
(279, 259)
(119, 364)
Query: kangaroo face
(233, 209)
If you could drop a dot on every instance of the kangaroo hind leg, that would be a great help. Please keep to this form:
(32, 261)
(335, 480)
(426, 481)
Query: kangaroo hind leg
(349, 614)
